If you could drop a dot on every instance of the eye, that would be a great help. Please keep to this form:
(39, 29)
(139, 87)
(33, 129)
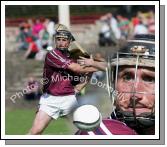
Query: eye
(128, 77)
(58, 39)
(150, 79)
(64, 39)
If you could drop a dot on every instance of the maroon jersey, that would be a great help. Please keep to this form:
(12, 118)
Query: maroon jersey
(110, 127)
(58, 80)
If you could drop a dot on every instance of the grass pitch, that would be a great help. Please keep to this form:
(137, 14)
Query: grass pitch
(18, 122)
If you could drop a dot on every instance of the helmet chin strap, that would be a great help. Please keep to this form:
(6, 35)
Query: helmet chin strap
(137, 122)
(62, 49)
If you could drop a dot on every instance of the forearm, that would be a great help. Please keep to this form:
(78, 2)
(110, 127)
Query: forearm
(100, 65)
(81, 69)
(88, 69)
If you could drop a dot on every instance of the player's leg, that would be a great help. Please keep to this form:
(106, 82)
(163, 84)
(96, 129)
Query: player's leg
(69, 104)
(41, 121)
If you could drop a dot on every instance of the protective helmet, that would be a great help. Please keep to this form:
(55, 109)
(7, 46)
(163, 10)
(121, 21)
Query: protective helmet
(138, 52)
(63, 32)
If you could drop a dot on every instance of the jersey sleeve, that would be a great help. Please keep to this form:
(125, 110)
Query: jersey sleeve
(56, 60)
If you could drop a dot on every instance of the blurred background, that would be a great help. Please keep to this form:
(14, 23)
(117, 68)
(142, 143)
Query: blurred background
(29, 33)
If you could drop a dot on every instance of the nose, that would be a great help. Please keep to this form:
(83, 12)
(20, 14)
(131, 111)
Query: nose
(137, 89)
(136, 98)
(60, 41)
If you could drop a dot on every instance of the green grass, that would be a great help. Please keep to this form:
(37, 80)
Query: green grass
(18, 122)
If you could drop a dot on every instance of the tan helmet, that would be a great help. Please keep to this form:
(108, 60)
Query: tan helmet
(142, 46)
(63, 32)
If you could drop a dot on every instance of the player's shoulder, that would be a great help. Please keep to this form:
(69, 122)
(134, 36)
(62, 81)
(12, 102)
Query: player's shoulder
(55, 54)
(117, 127)
(54, 51)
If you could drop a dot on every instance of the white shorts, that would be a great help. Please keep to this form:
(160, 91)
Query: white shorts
(56, 106)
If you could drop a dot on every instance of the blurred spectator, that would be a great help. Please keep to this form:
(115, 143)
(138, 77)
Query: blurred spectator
(44, 38)
(142, 23)
(110, 32)
(32, 88)
(146, 23)
(35, 38)
(21, 38)
(140, 28)
(50, 27)
(37, 27)
(31, 23)
(32, 48)
(123, 24)
(151, 22)
(135, 21)
(26, 39)
(142, 17)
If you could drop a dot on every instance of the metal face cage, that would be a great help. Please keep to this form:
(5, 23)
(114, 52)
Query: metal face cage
(136, 56)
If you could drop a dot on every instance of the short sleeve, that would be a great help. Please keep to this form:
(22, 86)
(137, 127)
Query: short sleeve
(57, 60)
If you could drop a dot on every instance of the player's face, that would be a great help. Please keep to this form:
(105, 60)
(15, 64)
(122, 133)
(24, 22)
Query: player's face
(62, 43)
(141, 89)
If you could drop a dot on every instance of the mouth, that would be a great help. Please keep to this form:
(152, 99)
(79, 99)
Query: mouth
(139, 108)
(137, 105)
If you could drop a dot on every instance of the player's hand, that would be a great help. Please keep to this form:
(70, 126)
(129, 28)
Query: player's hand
(85, 61)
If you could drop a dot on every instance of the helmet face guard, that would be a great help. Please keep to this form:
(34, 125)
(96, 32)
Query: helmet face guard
(63, 32)
(139, 53)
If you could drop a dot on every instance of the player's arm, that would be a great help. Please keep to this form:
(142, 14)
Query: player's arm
(77, 68)
(101, 65)
(55, 60)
